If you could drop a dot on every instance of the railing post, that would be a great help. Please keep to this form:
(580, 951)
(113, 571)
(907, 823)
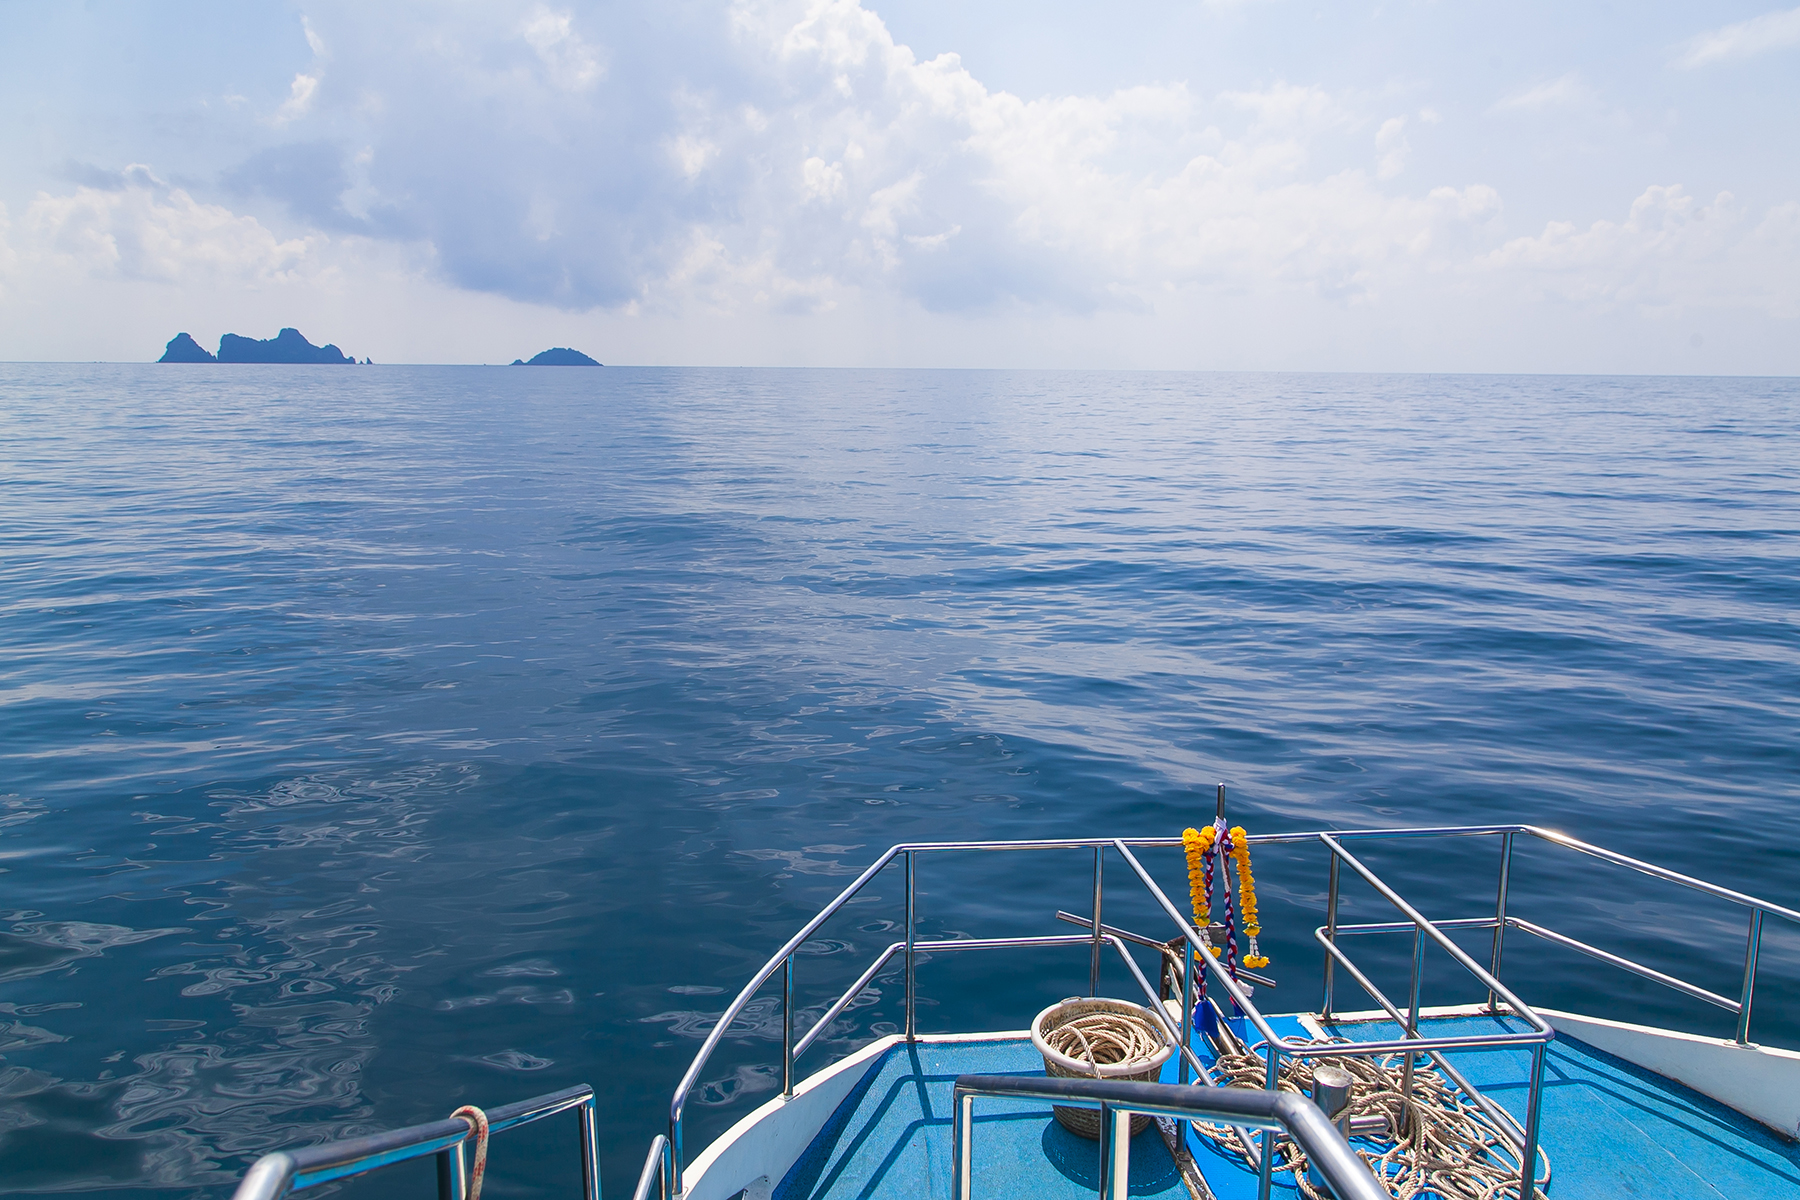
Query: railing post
(1187, 1010)
(909, 946)
(452, 1173)
(590, 1150)
(1752, 947)
(1106, 1156)
(1506, 847)
(1412, 1017)
(1115, 1153)
(1094, 956)
(787, 1028)
(1331, 917)
(672, 1162)
(1533, 1107)
(1265, 1167)
(962, 1151)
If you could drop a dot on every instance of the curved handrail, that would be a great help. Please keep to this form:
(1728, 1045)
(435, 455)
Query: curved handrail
(732, 1011)
(1625, 860)
(275, 1175)
(654, 1173)
(1325, 1147)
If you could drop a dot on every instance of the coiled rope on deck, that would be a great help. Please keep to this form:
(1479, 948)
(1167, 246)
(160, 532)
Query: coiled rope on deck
(1440, 1143)
(1105, 1038)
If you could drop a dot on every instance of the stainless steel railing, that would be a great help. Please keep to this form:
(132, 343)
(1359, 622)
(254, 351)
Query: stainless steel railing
(1117, 1099)
(1276, 1049)
(653, 1180)
(275, 1175)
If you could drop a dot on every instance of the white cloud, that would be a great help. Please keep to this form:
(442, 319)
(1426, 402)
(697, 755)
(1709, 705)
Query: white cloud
(693, 154)
(1771, 31)
(1671, 253)
(796, 156)
(823, 181)
(9, 258)
(1076, 202)
(1291, 108)
(1566, 92)
(1392, 146)
(300, 98)
(573, 64)
(143, 229)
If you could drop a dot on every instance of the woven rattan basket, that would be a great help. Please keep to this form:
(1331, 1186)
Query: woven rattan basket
(1085, 1122)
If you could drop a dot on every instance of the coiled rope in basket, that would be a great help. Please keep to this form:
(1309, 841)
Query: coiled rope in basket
(1099, 1039)
(1442, 1144)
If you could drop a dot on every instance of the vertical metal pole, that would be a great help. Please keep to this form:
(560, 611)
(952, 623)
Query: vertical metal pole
(1752, 947)
(1094, 954)
(1265, 1167)
(1187, 1010)
(963, 1152)
(452, 1173)
(1331, 915)
(787, 1028)
(1116, 1164)
(909, 946)
(1533, 1105)
(590, 1151)
(1108, 1135)
(672, 1159)
(1506, 846)
(1412, 1015)
(1418, 977)
(1220, 811)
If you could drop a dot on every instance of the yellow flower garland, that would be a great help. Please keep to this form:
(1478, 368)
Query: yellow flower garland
(1198, 843)
(1240, 854)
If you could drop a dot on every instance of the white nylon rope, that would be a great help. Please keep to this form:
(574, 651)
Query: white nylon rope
(1448, 1146)
(478, 1125)
(1104, 1038)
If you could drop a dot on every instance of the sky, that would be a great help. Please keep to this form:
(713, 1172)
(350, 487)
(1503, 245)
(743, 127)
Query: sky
(1413, 185)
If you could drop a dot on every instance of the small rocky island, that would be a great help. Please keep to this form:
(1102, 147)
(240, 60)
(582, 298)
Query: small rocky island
(288, 346)
(558, 356)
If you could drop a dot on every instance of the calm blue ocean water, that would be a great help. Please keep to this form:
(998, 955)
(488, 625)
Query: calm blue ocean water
(377, 740)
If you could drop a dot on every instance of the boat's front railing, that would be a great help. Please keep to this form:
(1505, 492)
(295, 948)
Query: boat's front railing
(1410, 1043)
(275, 1175)
(1502, 920)
(1752, 939)
(1273, 1047)
(909, 949)
(1327, 1152)
(653, 1180)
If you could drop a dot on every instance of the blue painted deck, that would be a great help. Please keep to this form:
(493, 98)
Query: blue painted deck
(1615, 1130)
(1612, 1130)
(891, 1136)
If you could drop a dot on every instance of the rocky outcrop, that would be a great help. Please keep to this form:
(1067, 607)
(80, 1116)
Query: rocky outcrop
(184, 349)
(288, 346)
(557, 356)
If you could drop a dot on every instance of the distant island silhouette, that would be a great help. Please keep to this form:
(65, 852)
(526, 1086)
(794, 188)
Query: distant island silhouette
(557, 356)
(288, 346)
(184, 349)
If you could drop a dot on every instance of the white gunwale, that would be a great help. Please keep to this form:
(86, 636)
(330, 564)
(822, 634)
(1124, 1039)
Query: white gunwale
(770, 1140)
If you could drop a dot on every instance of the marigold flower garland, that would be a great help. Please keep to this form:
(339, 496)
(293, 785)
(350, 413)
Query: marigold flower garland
(1240, 854)
(1198, 845)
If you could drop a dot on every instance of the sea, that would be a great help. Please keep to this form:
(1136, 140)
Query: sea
(378, 740)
